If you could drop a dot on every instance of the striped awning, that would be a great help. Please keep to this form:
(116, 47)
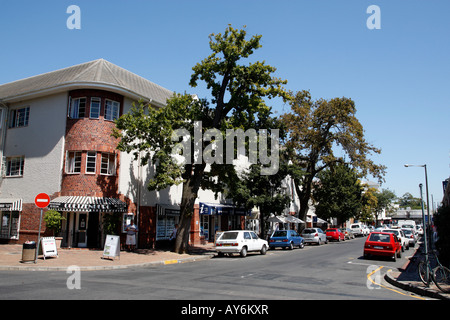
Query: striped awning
(87, 204)
(10, 204)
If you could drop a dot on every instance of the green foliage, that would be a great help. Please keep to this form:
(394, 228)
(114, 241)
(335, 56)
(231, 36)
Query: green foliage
(238, 101)
(407, 200)
(53, 221)
(338, 193)
(111, 223)
(316, 130)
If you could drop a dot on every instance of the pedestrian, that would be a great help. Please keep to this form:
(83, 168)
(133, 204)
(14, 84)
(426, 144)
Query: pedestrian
(131, 236)
(173, 236)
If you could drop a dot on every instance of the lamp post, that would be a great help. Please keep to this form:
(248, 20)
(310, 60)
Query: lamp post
(426, 187)
(424, 237)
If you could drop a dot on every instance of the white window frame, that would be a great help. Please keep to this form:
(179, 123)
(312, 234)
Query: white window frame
(21, 165)
(74, 109)
(95, 100)
(112, 109)
(108, 165)
(19, 117)
(89, 156)
(71, 162)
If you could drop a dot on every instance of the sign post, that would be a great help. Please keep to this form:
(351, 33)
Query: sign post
(42, 200)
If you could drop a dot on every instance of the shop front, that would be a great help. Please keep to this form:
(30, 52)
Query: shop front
(82, 226)
(220, 217)
(10, 218)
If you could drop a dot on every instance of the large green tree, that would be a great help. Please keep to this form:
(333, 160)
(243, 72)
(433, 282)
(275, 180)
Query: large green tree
(338, 193)
(238, 91)
(317, 131)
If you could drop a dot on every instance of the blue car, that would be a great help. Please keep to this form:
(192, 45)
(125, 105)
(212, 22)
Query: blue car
(286, 239)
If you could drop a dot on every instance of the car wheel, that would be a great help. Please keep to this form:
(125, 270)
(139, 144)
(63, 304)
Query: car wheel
(399, 254)
(263, 250)
(291, 246)
(302, 245)
(221, 254)
(243, 252)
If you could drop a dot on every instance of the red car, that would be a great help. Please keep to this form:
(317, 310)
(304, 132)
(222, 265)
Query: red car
(335, 234)
(382, 244)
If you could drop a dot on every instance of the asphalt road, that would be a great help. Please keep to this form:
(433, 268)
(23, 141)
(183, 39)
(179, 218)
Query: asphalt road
(332, 271)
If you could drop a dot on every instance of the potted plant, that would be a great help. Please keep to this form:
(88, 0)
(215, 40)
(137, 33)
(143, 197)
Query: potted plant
(53, 221)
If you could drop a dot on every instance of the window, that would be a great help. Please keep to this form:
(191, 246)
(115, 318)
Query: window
(73, 162)
(91, 157)
(111, 110)
(77, 108)
(19, 117)
(108, 164)
(9, 227)
(95, 108)
(14, 166)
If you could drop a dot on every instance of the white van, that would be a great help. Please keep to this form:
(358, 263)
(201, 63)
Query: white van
(357, 229)
(407, 224)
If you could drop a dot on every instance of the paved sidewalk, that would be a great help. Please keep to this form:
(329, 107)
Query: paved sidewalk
(85, 259)
(407, 278)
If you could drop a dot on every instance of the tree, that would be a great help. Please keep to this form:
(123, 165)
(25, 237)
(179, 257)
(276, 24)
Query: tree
(238, 92)
(384, 201)
(266, 192)
(407, 200)
(338, 193)
(315, 130)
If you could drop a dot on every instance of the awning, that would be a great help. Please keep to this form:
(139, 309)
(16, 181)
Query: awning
(87, 204)
(285, 219)
(10, 204)
(292, 219)
(219, 209)
(168, 210)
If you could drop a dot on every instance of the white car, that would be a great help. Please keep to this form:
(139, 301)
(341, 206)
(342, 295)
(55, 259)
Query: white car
(357, 229)
(401, 236)
(240, 241)
(365, 230)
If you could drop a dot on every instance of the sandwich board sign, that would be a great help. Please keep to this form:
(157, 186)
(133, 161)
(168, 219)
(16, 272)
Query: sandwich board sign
(49, 247)
(112, 247)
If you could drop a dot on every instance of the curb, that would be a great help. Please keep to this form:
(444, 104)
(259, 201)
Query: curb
(100, 268)
(408, 287)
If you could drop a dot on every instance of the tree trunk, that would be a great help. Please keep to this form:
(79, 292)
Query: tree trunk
(191, 186)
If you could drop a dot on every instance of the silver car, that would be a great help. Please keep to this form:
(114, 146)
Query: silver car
(314, 235)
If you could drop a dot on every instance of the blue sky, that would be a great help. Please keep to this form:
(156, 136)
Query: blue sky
(398, 76)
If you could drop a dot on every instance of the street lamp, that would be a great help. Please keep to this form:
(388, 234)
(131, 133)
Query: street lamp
(426, 186)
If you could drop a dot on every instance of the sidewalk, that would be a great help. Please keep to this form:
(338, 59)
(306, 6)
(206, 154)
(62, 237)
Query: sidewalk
(407, 278)
(86, 259)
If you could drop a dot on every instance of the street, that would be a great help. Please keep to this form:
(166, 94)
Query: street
(333, 271)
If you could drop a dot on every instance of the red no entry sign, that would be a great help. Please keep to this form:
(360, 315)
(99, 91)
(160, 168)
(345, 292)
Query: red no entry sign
(42, 200)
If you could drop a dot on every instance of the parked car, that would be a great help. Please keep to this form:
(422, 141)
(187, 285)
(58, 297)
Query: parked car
(314, 235)
(335, 234)
(348, 233)
(357, 229)
(404, 241)
(365, 230)
(409, 234)
(382, 244)
(419, 230)
(240, 241)
(286, 239)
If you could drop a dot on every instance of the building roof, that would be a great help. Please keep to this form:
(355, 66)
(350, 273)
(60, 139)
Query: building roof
(100, 74)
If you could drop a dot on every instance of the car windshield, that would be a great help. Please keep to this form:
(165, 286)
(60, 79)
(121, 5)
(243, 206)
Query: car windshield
(331, 230)
(229, 235)
(379, 237)
(308, 231)
(280, 233)
(355, 226)
(408, 226)
(406, 231)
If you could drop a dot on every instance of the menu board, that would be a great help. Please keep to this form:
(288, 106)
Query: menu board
(49, 247)
(112, 247)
